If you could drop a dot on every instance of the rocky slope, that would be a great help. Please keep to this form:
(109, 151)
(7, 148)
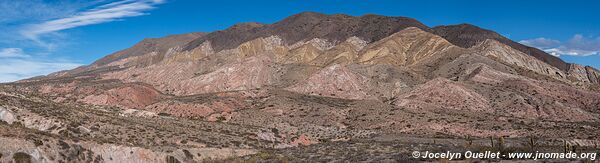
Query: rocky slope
(309, 80)
(146, 46)
(467, 35)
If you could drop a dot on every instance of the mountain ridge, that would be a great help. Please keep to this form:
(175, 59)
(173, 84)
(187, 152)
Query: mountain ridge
(467, 35)
(309, 25)
(303, 23)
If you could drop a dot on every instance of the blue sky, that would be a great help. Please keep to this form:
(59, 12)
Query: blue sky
(42, 36)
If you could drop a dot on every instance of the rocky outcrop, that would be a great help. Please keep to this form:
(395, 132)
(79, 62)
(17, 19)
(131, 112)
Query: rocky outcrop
(593, 74)
(6, 115)
(30, 119)
(16, 149)
(584, 74)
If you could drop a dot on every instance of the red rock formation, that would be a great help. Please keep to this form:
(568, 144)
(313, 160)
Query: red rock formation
(128, 96)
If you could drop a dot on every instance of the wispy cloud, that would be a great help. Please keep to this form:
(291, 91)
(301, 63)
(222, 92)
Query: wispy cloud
(541, 42)
(100, 14)
(16, 65)
(17, 69)
(12, 53)
(578, 45)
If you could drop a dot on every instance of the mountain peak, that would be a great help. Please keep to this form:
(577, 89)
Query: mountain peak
(465, 35)
(307, 14)
(247, 25)
(465, 25)
(309, 25)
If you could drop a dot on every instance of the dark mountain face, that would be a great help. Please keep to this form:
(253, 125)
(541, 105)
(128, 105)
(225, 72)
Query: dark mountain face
(466, 35)
(309, 25)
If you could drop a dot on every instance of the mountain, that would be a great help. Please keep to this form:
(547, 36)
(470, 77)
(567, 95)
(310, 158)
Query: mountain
(309, 25)
(466, 35)
(301, 87)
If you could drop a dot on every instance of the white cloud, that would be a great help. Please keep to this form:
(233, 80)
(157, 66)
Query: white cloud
(13, 69)
(15, 65)
(578, 45)
(541, 42)
(12, 53)
(100, 14)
